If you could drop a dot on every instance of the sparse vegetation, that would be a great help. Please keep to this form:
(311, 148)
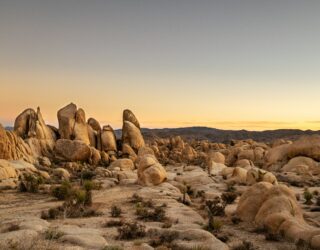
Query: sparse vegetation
(131, 230)
(164, 239)
(30, 183)
(63, 191)
(115, 211)
(229, 197)
(308, 196)
(114, 223)
(148, 212)
(52, 234)
(245, 245)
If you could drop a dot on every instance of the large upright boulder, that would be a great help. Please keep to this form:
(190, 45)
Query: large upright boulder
(94, 124)
(66, 119)
(81, 127)
(108, 139)
(73, 126)
(130, 117)
(131, 133)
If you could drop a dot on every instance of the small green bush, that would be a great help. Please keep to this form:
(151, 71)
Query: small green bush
(63, 191)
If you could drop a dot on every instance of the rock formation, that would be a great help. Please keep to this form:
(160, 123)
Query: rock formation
(131, 133)
(275, 208)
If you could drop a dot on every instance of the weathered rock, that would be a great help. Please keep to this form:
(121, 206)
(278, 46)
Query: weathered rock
(62, 173)
(72, 150)
(95, 156)
(12, 147)
(302, 165)
(255, 175)
(80, 130)
(150, 172)
(66, 118)
(7, 171)
(108, 139)
(216, 157)
(19, 238)
(275, 208)
(122, 164)
(132, 136)
(128, 152)
(94, 124)
(130, 117)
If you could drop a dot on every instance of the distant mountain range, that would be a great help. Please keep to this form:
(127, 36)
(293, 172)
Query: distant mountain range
(219, 135)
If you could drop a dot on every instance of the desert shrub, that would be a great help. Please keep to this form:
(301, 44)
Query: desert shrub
(87, 175)
(315, 192)
(52, 234)
(213, 225)
(318, 201)
(308, 196)
(13, 227)
(136, 198)
(245, 245)
(77, 202)
(131, 230)
(52, 213)
(215, 207)
(115, 211)
(30, 183)
(150, 213)
(164, 239)
(112, 248)
(114, 223)
(272, 237)
(63, 191)
(235, 220)
(230, 188)
(229, 197)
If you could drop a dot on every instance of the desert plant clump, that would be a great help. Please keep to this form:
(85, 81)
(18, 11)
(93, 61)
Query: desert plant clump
(215, 207)
(52, 234)
(136, 198)
(114, 223)
(308, 196)
(87, 175)
(30, 183)
(230, 188)
(214, 225)
(115, 211)
(77, 202)
(245, 245)
(63, 191)
(131, 230)
(229, 197)
(164, 239)
(149, 212)
(112, 248)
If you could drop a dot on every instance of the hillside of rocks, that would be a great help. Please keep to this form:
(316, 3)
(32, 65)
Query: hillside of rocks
(82, 186)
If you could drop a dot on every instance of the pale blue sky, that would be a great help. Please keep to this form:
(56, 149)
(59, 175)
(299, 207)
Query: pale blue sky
(174, 62)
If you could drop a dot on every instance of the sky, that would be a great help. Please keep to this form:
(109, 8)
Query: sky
(229, 64)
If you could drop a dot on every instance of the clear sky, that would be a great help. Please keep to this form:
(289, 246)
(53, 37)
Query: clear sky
(231, 64)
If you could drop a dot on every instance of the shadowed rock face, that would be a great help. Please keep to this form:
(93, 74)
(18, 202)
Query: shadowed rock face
(94, 124)
(66, 119)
